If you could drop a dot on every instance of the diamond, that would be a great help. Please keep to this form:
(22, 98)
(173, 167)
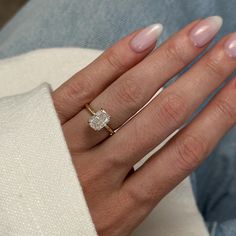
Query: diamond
(99, 120)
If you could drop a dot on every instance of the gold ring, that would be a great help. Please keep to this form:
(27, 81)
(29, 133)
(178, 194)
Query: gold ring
(99, 119)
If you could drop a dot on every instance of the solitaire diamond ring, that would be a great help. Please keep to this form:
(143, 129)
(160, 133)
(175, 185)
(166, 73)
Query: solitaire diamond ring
(99, 120)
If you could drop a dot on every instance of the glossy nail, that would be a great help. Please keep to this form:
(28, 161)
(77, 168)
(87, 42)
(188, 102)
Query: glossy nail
(230, 46)
(146, 37)
(205, 30)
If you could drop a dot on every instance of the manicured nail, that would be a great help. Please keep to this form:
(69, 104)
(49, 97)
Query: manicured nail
(146, 37)
(230, 46)
(205, 30)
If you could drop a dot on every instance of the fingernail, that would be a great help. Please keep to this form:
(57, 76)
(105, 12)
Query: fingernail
(146, 37)
(205, 30)
(230, 46)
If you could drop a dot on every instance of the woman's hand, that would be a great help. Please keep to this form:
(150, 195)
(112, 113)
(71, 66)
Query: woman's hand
(121, 81)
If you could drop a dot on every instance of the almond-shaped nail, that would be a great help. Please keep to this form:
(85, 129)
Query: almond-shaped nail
(205, 30)
(146, 37)
(230, 46)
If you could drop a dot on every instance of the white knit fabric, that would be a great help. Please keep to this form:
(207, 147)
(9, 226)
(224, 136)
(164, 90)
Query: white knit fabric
(39, 190)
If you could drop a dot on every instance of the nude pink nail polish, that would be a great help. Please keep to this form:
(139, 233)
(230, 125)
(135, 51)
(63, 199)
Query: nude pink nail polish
(205, 30)
(230, 46)
(146, 37)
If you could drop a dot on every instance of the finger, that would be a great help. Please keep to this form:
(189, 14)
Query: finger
(84, 86)
(133, 89)
(172, 107)
(165, 169)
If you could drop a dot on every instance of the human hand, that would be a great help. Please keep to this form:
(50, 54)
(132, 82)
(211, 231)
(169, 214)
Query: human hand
(121, 81)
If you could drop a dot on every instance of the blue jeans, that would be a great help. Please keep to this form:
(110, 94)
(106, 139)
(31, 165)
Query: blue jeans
(98, 24)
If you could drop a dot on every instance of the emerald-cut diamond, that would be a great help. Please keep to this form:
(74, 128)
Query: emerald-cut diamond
(99, 120)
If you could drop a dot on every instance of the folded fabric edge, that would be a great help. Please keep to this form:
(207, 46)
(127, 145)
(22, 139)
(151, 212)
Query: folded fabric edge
(47, 183)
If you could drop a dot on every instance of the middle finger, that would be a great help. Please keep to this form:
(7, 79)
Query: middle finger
(172, 107)
(135, 88)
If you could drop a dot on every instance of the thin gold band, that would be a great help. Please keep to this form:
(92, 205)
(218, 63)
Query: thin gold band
(107, 127)
(90, 109)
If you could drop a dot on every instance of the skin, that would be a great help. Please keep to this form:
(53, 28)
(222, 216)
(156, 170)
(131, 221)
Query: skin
(122, 81)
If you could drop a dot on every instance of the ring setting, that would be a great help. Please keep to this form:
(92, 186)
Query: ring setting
(99, 119)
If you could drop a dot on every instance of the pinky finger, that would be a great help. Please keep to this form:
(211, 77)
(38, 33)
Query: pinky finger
(186, 151)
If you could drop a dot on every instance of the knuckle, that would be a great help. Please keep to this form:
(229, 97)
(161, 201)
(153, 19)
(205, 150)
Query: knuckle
(80, 89)
(142, 197)
(115, 161)
(129, 91)
(190, 150)
(172, 110)
(223, 107)
(214, 66)
(176, 51)
(114, 61)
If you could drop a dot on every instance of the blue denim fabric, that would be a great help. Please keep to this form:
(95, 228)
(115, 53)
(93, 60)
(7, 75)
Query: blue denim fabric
(98, 24)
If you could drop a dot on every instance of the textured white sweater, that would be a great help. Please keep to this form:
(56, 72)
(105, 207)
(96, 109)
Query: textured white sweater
(39, 190)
